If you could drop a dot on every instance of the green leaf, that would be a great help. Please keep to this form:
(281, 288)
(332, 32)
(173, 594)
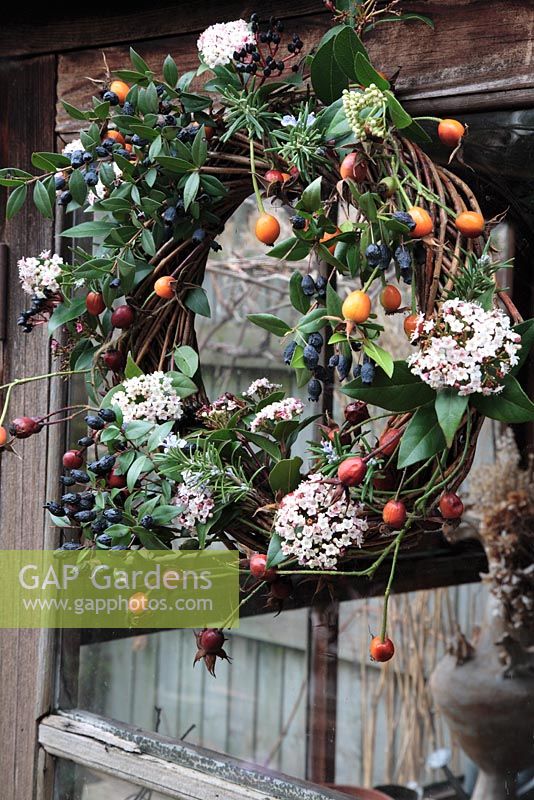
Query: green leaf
(328, 79)
(73, 112)
(170, 71)
(197, 301)
(401, 119)
(65, 313)
(139, 63)
(312, 322)
(380, 356)
(409, 16)
(138, 429)
(291, 249)
(333, 302)
(191, 188)
(403, 391)
(199, 148)
(450, 408)
(510, 405)
(346, 46)
(41, 198)
(270, 323)
(310, 199)
(285, 476)
(96, 229)
(147, 242)
(422, 439)
(263, 443)
(49, 161)
(131, 369)
(526, 331)
(175, 165)
(78, 187)
(367, 74)
(186, 359)
(182, 385)
(299, 300)
(274, 552)
(16, 200)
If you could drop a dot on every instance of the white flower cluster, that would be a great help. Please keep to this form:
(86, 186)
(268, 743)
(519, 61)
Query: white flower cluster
(261, 388)
(284, 411)
(172, 441)
(148, 397)
(39, 276)
(366, 112)
(195, 499)
(315, 528)
(73, 147)
(219, 42)
(219, 413)
(465, 347)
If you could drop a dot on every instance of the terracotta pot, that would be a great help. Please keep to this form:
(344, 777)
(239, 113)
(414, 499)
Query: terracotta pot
(488, 702)
(360, 794)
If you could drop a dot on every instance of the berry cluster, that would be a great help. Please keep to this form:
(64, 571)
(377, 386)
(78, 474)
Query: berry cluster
(261, 56)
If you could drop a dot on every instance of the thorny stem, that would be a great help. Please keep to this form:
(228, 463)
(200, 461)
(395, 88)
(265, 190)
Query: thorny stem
(387, 593)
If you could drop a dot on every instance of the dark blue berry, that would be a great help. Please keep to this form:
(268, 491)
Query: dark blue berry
(128, 109)
(115, 283)
(198, 236)
(104, 540)
(169, 215)
(54, 508)
(106, 463)
(343, 367)
(85, 516)
(367, 372)
(108, 144)
(85, 441)
(147, 521)
(288, 352)
(314, 390)
(310, 356)
(66, 480)
(215, 246)
(308, 286)
(107, 414)
(99, 525)
(91, 178)
(76, 158)
(87, 156)
(320, 285)
(80, 476)
(405, 218)
(94, 422)
(373, 255)
(60, 182)
(406, 275)
(71, 499)
(403, 257)
(357, 371)
(333, 361)
(299, 223)
(316, 340)
(70, 546)
(138, 141)
(385, 257)
(113, 515)
(64, 198)
(101, 151)
(111, 98)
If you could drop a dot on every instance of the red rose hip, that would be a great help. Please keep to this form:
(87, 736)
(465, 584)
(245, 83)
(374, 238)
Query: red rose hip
(114, 360)
(211, 640)
(381, 650)
(122, 317)
(72, 460)
(257, 566)
(394, 514)
(94, 302)
(351, 472)
(451, 506)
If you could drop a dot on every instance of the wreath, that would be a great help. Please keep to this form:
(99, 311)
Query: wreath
(159, 167)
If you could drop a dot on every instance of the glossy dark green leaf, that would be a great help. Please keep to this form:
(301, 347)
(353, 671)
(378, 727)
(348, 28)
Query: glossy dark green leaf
(274, 552)
(510, 405)
(328, 79)
(366, 74)
(285, 475)
(401, 119)
(380, 356)
(334, 303)
(270, 323)
(346, 46)
(402, 392)
(526, 331)
(186, 359)
(310, 199)
(422, 439)
(450, 408)
(16, 200)
(170, 71)
(299, 300)
(66, 312)
(197, 301)
(96, 229)
(291, 249)
(41, 199)
(78, 187)
(191, 188)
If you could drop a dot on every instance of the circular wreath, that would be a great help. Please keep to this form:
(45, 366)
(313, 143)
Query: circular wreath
(162, 167)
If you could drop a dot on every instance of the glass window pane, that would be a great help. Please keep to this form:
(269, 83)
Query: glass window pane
(74, 782)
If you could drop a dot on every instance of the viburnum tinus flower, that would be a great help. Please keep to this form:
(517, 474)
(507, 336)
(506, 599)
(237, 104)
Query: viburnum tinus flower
(366, 112)
(261, 388)
(315, 527)
(465, 347)
(194, 496)
(218, 43)
(38, 276)
(220, 412)
(73, 147)
(148, 397)
(285, 410)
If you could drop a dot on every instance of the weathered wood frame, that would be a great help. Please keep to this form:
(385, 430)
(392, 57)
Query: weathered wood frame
(450, 74)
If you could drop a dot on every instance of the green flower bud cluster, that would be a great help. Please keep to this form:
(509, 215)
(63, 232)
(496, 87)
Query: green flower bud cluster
(366, 112)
